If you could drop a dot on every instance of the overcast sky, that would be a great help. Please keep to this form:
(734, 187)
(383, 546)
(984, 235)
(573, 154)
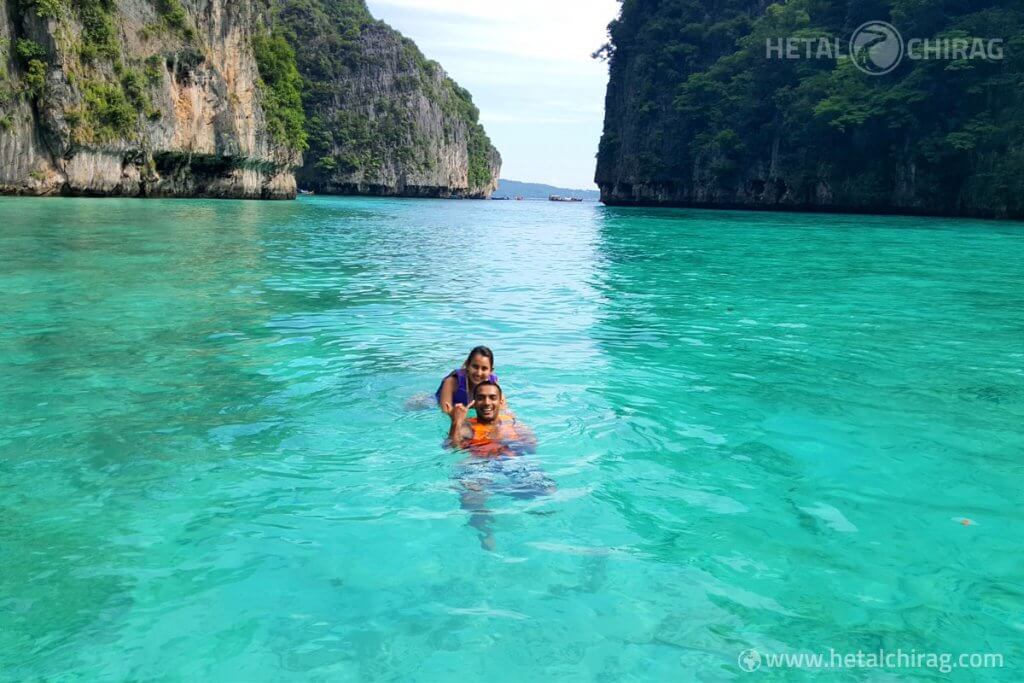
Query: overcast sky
(528, 66)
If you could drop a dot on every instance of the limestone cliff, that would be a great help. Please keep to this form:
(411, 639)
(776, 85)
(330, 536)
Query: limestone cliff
(201, 98)
(697, 114)
(137, 98)
(382, 119)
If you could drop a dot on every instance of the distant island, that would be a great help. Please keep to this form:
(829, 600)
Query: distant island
(515, 188)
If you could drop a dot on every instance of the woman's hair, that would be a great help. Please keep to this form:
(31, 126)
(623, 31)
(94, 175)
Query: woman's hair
(480, 351)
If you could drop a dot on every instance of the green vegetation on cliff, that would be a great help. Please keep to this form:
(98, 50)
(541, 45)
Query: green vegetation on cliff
(147, 98)
(114, 94)
(156, 81)
(361, 109)
(116, 89)
(99, 32)
(697, 112)
(326, 36)
(174, 18)
(479, 145)
(33, 59)
(282, 87)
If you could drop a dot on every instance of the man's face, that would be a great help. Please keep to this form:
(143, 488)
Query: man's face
(488, 400)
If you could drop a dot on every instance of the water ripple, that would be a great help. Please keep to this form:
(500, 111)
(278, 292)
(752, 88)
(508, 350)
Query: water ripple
(769, 431)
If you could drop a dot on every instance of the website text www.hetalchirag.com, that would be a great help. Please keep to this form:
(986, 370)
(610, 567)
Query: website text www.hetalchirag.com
(943, 662)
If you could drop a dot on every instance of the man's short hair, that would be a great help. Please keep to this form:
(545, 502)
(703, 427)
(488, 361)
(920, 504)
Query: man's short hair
(488, 383)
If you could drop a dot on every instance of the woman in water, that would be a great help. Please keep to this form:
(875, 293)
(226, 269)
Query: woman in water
(458, 386)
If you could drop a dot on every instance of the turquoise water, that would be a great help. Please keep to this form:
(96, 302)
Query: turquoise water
(766, 431)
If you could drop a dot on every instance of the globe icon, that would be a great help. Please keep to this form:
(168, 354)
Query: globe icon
(876, 48)
(749, 660)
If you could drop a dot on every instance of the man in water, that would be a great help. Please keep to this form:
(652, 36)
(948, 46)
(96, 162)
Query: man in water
(496, 443)
(490, 434)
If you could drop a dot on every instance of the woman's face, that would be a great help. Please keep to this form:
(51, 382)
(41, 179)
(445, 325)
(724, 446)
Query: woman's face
(479, 368)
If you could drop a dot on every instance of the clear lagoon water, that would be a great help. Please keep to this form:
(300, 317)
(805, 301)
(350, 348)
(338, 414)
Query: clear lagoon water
(772, 431)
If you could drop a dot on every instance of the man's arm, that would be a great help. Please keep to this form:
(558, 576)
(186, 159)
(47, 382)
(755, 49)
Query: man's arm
(527, 437)
(457, 435)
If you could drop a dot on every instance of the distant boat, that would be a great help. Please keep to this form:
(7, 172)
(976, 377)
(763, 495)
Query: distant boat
(519, 197)
(499, 199)
(559, 198)
(306, 192)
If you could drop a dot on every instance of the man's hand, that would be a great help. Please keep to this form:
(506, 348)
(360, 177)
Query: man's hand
(458, 415)
(459, 412)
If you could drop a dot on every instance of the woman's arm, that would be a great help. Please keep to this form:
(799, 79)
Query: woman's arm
(447, 393)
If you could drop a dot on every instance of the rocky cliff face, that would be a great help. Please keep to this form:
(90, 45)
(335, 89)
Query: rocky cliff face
(697, 115)
(201, 98)
(382, 119)
(136, 98)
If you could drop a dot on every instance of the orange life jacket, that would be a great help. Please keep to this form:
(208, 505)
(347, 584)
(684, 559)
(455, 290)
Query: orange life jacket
(483, 445)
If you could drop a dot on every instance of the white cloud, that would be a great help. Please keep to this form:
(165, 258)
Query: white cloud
(569, 29)
(529, 68)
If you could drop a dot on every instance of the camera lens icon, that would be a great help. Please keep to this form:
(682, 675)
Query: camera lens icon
(876, 48)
